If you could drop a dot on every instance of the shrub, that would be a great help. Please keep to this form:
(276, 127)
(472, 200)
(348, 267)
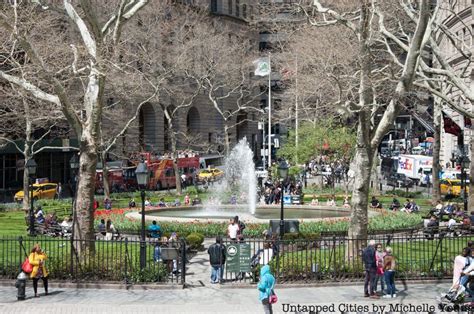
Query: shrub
(195, 240)
(152, 273)
(405, 194)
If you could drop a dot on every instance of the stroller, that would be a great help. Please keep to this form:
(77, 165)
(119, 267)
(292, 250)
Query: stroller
(453, 300)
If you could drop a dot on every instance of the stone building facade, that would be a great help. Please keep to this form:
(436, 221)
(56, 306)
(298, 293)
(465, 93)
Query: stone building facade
(457, 17)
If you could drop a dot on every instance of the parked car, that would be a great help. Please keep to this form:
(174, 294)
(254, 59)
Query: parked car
(399, 180)
(452, 187)
(40, 191)
(210, 174)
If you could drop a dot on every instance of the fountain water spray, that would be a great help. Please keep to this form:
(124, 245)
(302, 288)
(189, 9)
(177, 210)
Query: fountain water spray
(239, 180)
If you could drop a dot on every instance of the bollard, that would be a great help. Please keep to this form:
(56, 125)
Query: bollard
(21, 286)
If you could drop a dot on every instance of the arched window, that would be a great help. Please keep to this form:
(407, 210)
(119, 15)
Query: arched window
(244, 11)
(229, 6)
(237, 8)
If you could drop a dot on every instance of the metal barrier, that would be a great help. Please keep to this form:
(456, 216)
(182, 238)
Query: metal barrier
(338, 258)
(117, 260)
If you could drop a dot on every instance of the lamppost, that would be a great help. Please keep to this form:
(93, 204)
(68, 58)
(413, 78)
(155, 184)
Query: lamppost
(142, 179)
(74, 164)
(31, 165)
(463, 162)
(283, 172)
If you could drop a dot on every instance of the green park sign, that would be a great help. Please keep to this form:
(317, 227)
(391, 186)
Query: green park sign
(238, 257)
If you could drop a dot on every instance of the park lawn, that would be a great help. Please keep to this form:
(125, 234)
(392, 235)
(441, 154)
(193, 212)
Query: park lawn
(12, 223)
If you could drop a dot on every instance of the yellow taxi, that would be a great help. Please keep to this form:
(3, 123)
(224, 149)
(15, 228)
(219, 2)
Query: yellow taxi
(40, 191)
(210, 174)
(452, 187)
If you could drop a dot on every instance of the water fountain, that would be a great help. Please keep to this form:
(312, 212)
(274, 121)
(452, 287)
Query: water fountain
(239, 185)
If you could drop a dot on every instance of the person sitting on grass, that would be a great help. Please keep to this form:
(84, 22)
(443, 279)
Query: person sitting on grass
(154, 230)
(148, 202)
(395, 204)
(162, 203)
(39, 215)
(315, 200)
(132, 203)
(107, 204)
(346, 203)
(374, 203)
(331, 201)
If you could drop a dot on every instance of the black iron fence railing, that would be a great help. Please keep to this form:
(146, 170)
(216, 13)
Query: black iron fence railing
(116, 260)
(337, 258)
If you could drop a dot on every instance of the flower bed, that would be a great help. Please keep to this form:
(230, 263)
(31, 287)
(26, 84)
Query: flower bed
(385, 220)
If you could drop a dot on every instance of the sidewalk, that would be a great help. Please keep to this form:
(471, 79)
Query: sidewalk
(214, 299)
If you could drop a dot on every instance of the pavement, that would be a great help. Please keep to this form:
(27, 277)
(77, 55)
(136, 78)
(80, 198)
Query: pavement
(411, 298)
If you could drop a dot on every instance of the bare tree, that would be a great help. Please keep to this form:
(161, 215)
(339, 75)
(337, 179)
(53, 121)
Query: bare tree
(22, 117)
(67, 67)
(365, 21)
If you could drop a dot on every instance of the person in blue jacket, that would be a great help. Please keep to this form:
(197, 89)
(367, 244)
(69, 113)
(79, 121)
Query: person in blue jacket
(265, 286)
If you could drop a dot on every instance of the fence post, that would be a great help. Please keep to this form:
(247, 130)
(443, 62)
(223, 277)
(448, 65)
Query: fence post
(183, 261)
(334, 255)
(71, 242)
(441, 254)
(20, 240)
(125, 263)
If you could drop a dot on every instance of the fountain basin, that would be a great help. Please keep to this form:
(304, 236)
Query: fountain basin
(224, 212)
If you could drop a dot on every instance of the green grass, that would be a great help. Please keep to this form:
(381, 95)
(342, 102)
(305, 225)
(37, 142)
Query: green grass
(420, 257)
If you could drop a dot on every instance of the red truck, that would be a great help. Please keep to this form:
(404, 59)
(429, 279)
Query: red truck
(121, 179)
(162, 175)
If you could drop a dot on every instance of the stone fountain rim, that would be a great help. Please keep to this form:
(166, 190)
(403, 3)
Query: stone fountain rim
(244, 217)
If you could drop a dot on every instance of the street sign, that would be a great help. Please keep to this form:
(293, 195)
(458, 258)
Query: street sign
(238, 257)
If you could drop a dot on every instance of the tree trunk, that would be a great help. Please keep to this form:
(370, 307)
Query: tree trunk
(27, 155)
(174, 155)
(105, 176)
(470, 204)
(436, 193)
(375, 174)
(83, 209)
(362, 166)
(26, 177)
(227, 139)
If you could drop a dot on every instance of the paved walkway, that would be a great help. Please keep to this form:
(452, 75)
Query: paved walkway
(202, 297)
(215, 299)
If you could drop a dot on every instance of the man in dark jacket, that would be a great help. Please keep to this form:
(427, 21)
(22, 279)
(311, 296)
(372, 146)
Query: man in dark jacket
(217, 259)
(370, 265)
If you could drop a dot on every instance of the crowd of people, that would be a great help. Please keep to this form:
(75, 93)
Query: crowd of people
(271, 190)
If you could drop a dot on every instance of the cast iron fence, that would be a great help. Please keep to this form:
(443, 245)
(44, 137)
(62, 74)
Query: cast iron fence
(116, 260)
(337, 258)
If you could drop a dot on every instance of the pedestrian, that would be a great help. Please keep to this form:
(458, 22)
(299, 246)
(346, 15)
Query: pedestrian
(59, 191)
(240, 232)
(37, 259)
(154, 230)
(101, 227)
(389, 273)
(187, 200)
(265, 287)
(217, 260)
(370, 265)
(265, 255)
(379, 276)
(233, 230)
(109, 230)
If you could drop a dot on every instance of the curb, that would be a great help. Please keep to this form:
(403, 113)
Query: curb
(122, 286)
(93, 285)
(332, 284)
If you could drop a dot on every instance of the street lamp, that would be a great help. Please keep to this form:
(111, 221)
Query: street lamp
(31, 166)
(74, 164)
(463, 162)
(142, 179)
(283, 172)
